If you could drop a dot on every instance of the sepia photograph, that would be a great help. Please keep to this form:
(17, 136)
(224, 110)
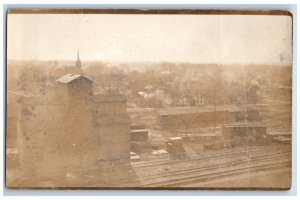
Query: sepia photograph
(149, 99)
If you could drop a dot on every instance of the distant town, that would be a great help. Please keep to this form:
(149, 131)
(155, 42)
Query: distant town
(91, 124)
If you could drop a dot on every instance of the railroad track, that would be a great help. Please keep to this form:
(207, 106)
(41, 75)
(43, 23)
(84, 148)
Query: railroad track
(265, 160)
(215, 171)
(210, 166)
(201, 169)
(230, 152)
(225, 163)
(214, 175)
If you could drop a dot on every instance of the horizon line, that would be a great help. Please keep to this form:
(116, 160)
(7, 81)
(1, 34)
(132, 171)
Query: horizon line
(145, 61)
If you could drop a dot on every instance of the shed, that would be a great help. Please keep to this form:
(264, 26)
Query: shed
(139, 135)
(175, 140)
(175, 145)
(250, 132)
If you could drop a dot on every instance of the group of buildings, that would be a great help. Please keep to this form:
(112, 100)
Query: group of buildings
(70, 128)
(74, 127)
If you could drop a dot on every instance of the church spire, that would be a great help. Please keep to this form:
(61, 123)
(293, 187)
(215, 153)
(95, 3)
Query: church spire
(78, 59)
(78, 62)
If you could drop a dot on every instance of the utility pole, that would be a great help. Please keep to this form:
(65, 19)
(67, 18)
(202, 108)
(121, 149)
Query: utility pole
(215, 109)
(186, 129)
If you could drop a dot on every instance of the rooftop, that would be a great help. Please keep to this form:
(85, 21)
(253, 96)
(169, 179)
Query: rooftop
(159, 152)
(273, 133)
(244, 125)
(141, 131)
(68, 78)
(204, 109)
(175, 138)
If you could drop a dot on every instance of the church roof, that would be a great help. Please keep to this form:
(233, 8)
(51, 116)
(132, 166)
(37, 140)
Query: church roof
(68, 78)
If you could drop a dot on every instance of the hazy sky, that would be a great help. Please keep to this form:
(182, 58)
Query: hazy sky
(183, 38)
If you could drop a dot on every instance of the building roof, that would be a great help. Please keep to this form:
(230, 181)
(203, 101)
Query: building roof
(139, 131)
(206, 109)
(135, 157)
(175, 138)
(195, 135)
(246, 125)
(274, 133)
(159, 152)
(68, 78)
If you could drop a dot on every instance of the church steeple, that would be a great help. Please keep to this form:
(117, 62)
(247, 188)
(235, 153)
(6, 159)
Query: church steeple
(78, 62)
